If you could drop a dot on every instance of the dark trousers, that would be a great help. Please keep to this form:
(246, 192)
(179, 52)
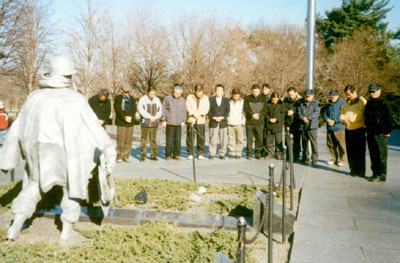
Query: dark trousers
(377, 146)
(296, 144)
(355, 148)
(274, 143)
(173, 143)
(152, 134)
(309, 136)
(124, 142)
(199, 135)
(254, 132)
(336, 144)
(264, 150)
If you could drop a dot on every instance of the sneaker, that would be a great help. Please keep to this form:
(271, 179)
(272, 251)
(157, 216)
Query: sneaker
(211, 157)
(177, 158)
(126, 160)
(222, 157)
(142, 159)
(190, 157)
(168, 158)
(201, 157)
(153, 158)
(340, 163)
(266, 157)
(331, 162)
(119, 161)
(278, 157)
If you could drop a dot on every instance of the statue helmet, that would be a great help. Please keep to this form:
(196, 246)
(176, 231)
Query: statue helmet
(61, 66)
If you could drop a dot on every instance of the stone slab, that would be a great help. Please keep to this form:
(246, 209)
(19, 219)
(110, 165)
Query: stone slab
(315, 253)
(336, 237)
(331, 222)
(381, 255)
(139, 216)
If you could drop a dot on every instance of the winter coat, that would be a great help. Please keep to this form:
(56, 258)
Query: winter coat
(293, 120)
(122, 111)
(57, 133)
(332, 111)
(174, 110)
(254, 105)
(277, 111)
(148, 108)
(100, 108)
(353, 111)
(192, 108)
(236, 115)
(312, 115)
(378, 116)
(217, 111)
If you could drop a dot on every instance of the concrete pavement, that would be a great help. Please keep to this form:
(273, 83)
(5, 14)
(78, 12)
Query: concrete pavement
(345, 219)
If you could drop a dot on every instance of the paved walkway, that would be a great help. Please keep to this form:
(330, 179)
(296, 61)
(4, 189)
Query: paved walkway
(344, 219)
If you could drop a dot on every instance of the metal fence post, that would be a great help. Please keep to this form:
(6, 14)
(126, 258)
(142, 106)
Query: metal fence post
(194, 157)
(270, 211)
(240, 255)
(284, 197)
(292, 181)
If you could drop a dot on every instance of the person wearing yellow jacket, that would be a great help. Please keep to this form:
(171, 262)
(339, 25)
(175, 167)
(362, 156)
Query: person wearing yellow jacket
(352, 116)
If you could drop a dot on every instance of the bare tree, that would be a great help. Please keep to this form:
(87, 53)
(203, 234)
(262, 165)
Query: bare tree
(279, 56)
(352, 62)
(33, 46)
(111, 51)
(209, 51)
(9, 32)
(148, 53)
(83, 43)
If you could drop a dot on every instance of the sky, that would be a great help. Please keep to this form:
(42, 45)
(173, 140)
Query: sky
(247, 12)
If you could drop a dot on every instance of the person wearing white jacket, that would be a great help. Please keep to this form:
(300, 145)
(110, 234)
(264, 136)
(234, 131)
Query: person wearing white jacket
(236, 122)
(150, 109)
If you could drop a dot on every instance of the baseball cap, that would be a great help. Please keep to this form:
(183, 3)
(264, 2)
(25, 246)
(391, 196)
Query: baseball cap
(373, 87)
(333, 93)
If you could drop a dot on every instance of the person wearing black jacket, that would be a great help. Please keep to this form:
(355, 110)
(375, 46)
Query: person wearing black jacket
(218, 114)
(266, 93)
(254, 108)
(125, 110)
(292, 121)
(101, 105)
(378, 123)
(274, 118)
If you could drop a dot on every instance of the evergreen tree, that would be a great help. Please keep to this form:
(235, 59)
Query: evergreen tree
(352, 16)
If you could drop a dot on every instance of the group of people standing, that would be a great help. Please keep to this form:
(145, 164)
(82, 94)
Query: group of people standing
(266, 118)
(352, 123)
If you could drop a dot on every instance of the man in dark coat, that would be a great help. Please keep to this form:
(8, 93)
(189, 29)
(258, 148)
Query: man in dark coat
(274, 118)
(254, 108)
(378, 123)
(218, 114)
(308, 112)
(125, 110)
(101, 105)
(292, 121)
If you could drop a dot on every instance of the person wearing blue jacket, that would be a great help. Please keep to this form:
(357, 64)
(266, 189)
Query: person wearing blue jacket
(308, 113)
(335, 129)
